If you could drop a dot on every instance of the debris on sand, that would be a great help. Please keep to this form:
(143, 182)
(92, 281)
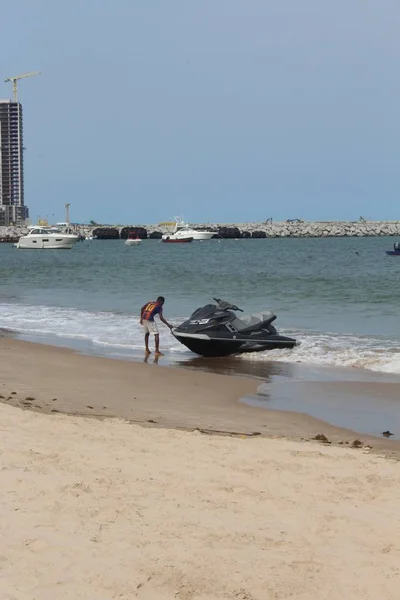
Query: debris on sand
(320, 437)
(387, 433)
(357, 444)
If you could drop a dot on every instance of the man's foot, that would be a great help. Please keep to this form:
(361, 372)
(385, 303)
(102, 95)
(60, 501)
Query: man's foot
(147, 352)
(158, 353)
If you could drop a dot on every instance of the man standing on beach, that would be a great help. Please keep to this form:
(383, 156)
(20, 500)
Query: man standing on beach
(147, 314)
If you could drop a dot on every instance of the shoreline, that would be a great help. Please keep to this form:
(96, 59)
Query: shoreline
(53, 380)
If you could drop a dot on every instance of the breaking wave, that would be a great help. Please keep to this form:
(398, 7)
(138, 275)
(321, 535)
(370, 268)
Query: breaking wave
(119, 334)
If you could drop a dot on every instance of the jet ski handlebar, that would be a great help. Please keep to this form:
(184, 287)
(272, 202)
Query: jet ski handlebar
(226, 305)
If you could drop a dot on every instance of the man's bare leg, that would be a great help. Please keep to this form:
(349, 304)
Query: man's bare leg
(157, 342)
(146, 343)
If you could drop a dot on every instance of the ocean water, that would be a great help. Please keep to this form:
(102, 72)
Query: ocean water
(338, 297)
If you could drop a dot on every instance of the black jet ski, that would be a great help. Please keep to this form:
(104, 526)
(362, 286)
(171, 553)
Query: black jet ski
(395, 251)
(215, 330)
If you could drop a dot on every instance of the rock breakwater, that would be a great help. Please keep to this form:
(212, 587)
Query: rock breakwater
(9, 235)
(266, 229)
(321, 229)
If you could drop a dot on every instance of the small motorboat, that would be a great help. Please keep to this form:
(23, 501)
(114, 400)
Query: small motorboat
(171, 239)
(215, 330)
(395, 251)
(133, 239)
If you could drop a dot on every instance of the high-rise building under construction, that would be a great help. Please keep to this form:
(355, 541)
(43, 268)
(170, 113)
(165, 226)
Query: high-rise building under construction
(12, 205)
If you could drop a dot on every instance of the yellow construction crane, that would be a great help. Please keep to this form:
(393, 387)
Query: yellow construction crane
(15, 80)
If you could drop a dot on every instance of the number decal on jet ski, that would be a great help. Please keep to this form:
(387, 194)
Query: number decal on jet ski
(200, 322)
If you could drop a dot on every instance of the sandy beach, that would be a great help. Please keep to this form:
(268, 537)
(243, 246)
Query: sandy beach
(106, 509)
(103, 508)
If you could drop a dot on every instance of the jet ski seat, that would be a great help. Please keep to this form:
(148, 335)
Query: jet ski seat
(249, 322)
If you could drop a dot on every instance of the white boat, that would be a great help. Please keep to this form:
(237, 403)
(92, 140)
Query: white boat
(49, 238)
(133, 240)
(183, 230)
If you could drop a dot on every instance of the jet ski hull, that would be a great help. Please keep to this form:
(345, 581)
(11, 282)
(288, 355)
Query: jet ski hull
(216, 330)
(217, 346)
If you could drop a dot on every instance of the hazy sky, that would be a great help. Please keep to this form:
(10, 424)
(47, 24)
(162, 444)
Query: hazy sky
(225, 110)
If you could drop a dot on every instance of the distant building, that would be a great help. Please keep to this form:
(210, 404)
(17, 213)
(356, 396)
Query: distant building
(12, 206)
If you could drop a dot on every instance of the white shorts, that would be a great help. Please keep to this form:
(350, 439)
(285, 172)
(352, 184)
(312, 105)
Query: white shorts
(150, 327)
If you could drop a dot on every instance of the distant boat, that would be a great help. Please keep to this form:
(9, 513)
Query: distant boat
(395, 251)
(176, 240)
(183, 230)
(133, 239)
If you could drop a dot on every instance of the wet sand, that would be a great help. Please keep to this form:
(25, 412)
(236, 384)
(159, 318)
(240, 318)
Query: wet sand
(369, 407)
(356, 399)
(52, 380)
(350, 398)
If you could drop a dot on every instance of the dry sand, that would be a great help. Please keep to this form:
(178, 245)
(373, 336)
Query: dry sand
(101, 509)
(106, 509)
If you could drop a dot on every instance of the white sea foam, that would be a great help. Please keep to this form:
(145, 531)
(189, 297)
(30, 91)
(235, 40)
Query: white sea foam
(118, 334)
(107, 330)
(338, 350)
